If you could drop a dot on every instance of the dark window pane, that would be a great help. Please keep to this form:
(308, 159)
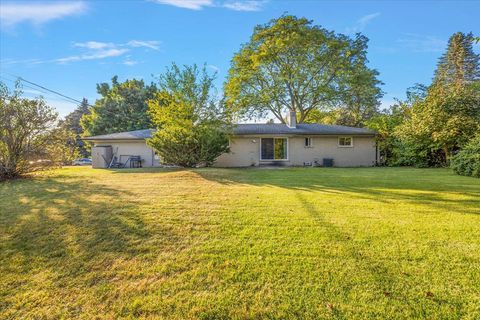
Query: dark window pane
(267, 148)
(308, 142)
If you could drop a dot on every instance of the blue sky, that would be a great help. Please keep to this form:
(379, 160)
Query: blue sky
(69, 46)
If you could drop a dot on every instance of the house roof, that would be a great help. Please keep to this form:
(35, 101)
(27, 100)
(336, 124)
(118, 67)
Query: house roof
(128, 135)
(253, 129)
(300, 129)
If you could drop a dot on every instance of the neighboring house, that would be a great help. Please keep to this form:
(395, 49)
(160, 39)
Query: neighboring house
(260, 144)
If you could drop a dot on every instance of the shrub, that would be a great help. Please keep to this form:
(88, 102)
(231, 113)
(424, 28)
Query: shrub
(192, 129)
(23, 125)
(467, 161)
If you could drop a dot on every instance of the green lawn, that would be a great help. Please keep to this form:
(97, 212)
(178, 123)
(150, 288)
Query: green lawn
(241, 243)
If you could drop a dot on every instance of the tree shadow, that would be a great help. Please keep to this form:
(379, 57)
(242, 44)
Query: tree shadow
(68, 227)
(428, 187)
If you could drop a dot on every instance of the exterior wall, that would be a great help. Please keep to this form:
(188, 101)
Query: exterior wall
(124, 149)
(246, 152)
(362, 154)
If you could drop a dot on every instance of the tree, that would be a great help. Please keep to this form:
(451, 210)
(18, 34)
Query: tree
(467, 161)
(122, 107)
(459, 65)
(23, 123)
(192, 129)
(441, 124)
(59, 146)
(72, 123)
(361, 97)
(449, 115)
(290, 64)
(386, 122)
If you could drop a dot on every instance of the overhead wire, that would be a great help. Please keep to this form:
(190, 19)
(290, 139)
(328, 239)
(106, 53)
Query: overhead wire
(42, 89)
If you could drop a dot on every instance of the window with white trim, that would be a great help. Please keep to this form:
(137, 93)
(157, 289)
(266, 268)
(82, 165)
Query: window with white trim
(308, 142)
(345, 141)
(273, 149)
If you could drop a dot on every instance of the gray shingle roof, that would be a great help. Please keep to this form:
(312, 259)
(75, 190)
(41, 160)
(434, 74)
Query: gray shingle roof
(253, 129)
(301, 129)
(129, 135)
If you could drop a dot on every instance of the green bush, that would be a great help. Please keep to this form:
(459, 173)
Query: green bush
(467, 161)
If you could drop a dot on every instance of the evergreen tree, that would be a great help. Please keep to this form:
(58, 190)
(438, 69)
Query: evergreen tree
(459, 65)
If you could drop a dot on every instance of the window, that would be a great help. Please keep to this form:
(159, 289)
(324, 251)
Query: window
(345, 141)
(273, 149)
(308, 142)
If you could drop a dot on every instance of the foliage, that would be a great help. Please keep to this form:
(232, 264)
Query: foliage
(384, 123)
(290, 64)
(440, 124)
(360, 96)
(438, 120)
(72, 124)
(459, 65)
(59, 146)
(122, 107)
(23, 124)
(192, 128)
(324, 117)
(467, 161)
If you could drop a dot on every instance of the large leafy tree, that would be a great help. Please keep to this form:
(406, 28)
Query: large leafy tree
(291, 64)
(192, 126)
(122, 107)
(24, 123)
(72, 124)
(440, 125)
(361, 97)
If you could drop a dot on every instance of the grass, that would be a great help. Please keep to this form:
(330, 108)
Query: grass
(385, 243)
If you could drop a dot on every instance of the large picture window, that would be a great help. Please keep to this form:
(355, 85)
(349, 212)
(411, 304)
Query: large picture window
(274, 149)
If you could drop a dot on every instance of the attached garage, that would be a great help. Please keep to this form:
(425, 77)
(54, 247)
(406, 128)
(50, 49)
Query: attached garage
(126, 148)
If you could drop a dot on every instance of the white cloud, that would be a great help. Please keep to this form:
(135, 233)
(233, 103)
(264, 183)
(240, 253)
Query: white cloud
(244, 5)
(100, 54)
(422, 43)
(96, 50)
(129, 62)
(19, 61)
(37, 13)
(154, 45)
(236, 5)
(213, 67)
(187, 4)
(94, 45)
(362, 23)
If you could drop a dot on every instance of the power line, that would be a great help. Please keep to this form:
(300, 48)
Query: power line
(47, 89)
(48, 94)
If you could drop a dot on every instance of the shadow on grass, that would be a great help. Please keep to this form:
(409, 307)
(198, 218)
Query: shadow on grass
(65, 224)
(432, 187)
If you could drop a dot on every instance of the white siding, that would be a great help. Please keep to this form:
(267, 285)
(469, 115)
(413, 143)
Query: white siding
(124, 149)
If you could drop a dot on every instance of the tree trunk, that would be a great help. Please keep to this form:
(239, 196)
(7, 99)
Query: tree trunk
(447, 155)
